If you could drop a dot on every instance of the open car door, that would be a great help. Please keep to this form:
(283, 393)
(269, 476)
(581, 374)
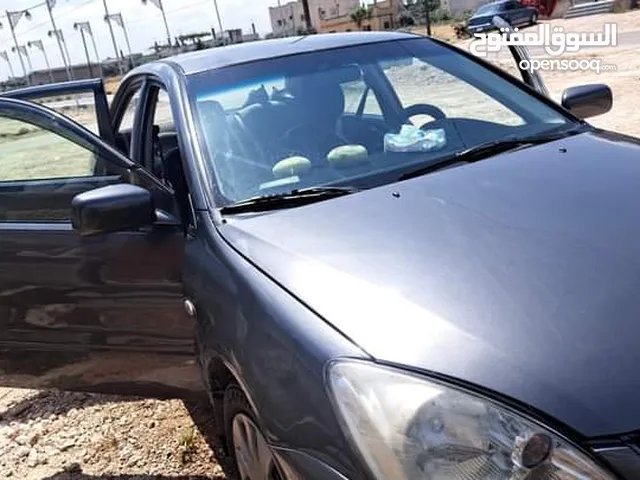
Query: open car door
(77, 94)
(101, 313)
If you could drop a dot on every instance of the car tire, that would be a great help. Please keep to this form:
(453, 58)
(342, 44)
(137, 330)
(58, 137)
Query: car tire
(246, 443)
(534, 19)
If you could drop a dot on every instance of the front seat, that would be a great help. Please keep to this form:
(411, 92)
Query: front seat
(320, 105)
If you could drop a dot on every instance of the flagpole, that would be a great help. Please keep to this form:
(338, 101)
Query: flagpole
(15, 41)
(46, 59)
(38, 44)
(113, 36)
(50, 5)
(215, 2)
(158, 3)
(86, 52)
(5, 55)
(166, 24)
(95, 50)
(126, 37)
(66, 49)
(26, 54)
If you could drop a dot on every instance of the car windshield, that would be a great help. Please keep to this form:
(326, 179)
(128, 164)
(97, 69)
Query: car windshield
(487, 9)
(357, 116)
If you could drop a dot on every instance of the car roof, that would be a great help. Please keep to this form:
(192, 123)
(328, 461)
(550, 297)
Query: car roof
(215, 58)
(494, 3)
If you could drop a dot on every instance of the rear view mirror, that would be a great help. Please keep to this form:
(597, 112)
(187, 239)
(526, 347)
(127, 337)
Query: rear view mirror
(586, 101)
(110, 209)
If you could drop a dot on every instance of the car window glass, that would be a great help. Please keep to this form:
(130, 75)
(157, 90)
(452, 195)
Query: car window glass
(124, 123)
(163, 154)
(129, 115)
(241, 95)
(40, 171)
(31, 153)
(353, 96)
(417, 82)
(162, 113)
(79, 107)
(163, 141)
(304, 133)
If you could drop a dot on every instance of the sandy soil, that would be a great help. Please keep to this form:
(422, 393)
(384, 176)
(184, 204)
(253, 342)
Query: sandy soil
(624, 82)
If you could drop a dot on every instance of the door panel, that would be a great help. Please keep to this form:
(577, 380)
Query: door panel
(22, 201)
(523, 15)
(69, 95)
(99, 314)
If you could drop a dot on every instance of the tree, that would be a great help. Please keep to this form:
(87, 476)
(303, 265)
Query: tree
(361, 14)
(417, 10)
(405, 19)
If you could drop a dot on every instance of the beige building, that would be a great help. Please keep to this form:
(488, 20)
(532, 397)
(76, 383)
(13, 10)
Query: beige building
(383, 16)
(288, 18)
(458, 7)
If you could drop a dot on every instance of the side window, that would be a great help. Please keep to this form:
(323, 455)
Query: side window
(126, 123)
(354, 95)
(80, 107)
(31, 153)
(162, 115)
(41, 172)
(162, 151)
(124, 127)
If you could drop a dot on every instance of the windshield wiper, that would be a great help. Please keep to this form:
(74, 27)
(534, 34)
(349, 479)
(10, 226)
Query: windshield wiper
(294, 198)
(483, 151)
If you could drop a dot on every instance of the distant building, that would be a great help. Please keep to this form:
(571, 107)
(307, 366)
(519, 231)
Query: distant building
(327, 9)
(108, 68)
(384, 16)
(289, 18)
(458, 7)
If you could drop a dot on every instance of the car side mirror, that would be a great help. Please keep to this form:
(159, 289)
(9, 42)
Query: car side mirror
(586, 101)
(115, 208)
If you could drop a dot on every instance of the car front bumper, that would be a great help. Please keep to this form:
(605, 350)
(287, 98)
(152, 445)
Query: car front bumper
(298, 465)
(484, 27)
(625, 459)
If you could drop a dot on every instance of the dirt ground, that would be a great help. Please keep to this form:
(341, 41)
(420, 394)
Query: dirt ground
(624, 82)
(53, 435)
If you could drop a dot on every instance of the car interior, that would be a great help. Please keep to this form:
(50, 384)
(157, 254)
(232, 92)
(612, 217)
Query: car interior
(306, 126)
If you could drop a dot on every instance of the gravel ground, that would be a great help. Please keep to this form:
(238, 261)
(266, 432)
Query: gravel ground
(59, 435)
(55, 435)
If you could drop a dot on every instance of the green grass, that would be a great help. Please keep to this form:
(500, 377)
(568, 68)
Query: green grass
(29, 153)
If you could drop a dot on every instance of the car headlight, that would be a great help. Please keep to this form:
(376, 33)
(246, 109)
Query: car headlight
(406, 427)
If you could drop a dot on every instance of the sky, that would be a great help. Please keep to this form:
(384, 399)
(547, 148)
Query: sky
(144, 24)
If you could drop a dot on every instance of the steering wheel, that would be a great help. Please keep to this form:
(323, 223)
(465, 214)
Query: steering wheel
(424, 109)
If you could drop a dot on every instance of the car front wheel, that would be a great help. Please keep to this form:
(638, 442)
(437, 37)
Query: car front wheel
(248, 445)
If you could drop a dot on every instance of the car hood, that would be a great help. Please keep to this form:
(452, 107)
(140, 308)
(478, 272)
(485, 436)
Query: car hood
(519, 274)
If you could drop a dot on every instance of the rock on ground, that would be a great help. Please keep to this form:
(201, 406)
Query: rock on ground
(58, 436)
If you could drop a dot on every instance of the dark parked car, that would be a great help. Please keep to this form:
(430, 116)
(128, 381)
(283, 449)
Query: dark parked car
(386, 258)
(511, 11)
